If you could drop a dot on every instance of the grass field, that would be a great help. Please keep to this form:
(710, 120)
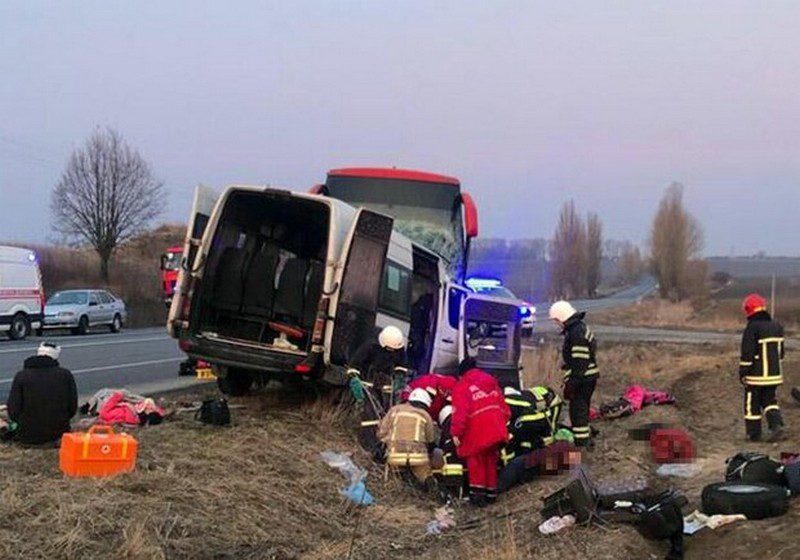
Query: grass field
(259, 490)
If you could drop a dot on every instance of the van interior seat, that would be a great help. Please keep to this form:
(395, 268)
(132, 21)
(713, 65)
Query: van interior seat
(259, 283)
(290, 297)
(229, 284)
(316, 278)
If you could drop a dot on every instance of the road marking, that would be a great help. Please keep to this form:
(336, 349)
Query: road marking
(117, 366)
(88, 344)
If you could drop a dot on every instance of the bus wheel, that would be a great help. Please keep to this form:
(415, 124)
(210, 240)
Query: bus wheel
(236, 383)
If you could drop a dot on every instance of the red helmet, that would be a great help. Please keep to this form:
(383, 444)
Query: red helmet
(753, 304)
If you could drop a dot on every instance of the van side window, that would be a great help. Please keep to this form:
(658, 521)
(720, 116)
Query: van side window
(395, 296)
(454, 298)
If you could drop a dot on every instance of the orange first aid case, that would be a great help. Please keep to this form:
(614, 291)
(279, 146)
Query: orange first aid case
(98, 452)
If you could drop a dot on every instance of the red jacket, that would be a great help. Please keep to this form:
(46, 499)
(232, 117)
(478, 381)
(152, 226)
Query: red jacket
(439, 386)
(480, 413)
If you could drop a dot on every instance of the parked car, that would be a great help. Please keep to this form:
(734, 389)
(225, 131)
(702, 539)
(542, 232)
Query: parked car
(493, 287)
(79, 310)
(21, 293)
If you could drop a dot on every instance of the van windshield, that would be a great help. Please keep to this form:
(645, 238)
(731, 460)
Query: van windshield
(68, 298)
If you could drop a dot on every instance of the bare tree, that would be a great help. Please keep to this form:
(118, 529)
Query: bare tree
(631, 266)
(594, 253)
(106, 195)
(676, 239)
(568, 254)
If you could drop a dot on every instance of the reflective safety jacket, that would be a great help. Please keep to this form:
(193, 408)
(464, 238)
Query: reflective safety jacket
(580, 349)
(534, 415)
(407, 432)
(453, 469)
(762, 351)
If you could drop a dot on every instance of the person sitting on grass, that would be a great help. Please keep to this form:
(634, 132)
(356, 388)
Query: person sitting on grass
(43, 399)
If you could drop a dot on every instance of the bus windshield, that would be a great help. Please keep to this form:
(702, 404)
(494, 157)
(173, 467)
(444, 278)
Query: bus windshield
(427, 213)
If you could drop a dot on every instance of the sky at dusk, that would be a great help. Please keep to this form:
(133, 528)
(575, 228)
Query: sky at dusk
(528, 103)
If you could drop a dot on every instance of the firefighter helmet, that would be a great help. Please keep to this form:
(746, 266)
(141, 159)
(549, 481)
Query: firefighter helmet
(445, 413)
(561, 311)
(420, 396)
(753, 303)
(392, 338)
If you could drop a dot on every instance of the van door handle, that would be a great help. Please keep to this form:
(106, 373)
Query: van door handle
(448, 340)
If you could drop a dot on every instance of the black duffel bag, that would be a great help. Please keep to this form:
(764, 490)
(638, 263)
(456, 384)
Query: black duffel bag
(754, 468)
(214, 412)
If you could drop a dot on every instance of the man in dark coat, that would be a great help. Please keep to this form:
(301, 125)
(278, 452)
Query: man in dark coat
(43, 398)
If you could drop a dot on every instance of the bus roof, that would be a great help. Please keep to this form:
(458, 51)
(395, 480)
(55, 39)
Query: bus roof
(393, 173)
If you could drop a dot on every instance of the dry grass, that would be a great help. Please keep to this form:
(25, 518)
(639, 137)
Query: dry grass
(134, 272)
(260, 490)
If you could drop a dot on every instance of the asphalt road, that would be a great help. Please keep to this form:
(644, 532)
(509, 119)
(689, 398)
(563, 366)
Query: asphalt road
(144, 360)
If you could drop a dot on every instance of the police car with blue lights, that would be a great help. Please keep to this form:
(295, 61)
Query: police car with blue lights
(493, 287)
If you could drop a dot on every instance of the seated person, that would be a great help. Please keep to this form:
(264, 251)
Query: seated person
(409, 434)
(43, 399)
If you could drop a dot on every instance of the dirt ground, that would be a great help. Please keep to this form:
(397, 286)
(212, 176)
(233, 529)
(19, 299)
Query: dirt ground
(259, 490)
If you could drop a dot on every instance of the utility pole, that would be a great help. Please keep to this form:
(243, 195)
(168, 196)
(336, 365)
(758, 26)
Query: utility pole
(772, 298)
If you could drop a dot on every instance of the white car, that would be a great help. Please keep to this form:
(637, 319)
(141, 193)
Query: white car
(21, 292)
(79, 310)
(495, 288)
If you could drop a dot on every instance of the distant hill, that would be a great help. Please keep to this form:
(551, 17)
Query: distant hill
(756, 266)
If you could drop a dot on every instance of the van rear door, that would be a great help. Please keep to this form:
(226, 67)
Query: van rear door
(202, 207)
(490, 332)
(358, 280)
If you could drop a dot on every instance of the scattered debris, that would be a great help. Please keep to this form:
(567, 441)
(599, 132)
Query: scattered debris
(696, 521)
(682, 470)
(355, 491)
(556, 524)
(442, 521)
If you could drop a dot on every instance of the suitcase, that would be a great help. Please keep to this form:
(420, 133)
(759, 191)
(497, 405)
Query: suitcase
(98, 452)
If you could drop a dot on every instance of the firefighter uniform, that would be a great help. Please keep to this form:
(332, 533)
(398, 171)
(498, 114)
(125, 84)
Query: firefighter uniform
(452, 476)
(580, 374)
(760, 371)
(408, 432)
(534, 415)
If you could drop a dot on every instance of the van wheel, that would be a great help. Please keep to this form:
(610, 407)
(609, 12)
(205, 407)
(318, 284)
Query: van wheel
(236, 383)
(83, 326)
(20, 327)
(116, 324)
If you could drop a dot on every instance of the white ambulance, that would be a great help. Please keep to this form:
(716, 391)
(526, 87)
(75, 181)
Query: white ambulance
(21, 292)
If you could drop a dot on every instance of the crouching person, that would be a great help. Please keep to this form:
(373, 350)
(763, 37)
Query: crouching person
(409, 434)
(42, 400)
(479, 429)
(452, 473)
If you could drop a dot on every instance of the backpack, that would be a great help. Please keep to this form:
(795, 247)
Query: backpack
(214, 412)
(754, 468)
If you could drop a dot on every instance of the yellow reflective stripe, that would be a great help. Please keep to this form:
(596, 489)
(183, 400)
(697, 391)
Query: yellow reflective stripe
(748, 404)
(401, 368)
(532, 417)
(752, 417)
(743, 363)
(366, 384)
(771, 407)
(353, 371)
(771, 339)
(526, 444)
(589, 335)
(515, 402)
(548, 440)
(386, 389)
(579, 348)
(581, 436)
(764, 381)
(366, 423)
(592, 371)
(577, 429)
(568, 373)
(580, 355)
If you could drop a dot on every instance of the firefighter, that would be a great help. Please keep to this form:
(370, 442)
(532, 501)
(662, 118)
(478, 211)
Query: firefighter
(376, 370)
(452, 475)
(409, 434)
(550, 403)
(580, 367)
(439, 386)
(480, 414)
(760, 369)
(534, 417)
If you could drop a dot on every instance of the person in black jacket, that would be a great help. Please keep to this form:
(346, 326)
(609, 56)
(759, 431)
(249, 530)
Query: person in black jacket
(760, 369)
(43, 398)
(580, 367)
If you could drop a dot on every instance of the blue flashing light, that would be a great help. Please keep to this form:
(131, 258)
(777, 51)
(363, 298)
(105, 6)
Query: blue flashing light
(476, 283)
(524, 310)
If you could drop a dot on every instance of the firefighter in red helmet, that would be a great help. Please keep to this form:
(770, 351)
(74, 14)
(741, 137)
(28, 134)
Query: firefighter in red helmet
(760, 369)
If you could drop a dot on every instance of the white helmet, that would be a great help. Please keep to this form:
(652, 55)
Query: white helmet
(391, 337)
(562, 310)
(509, 391)
(420, 396)
(445, 413)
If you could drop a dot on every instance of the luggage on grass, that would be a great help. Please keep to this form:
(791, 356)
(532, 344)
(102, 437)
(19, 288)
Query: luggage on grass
(753, 500)
(98, 452)
(747, 466)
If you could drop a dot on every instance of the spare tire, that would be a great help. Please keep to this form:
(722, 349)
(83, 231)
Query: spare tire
(755, 501)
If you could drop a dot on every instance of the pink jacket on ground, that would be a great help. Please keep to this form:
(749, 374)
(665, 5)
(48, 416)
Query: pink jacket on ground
(117, 411)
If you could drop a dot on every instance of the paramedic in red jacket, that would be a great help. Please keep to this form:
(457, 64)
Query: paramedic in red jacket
(439, 386)
(480, 414)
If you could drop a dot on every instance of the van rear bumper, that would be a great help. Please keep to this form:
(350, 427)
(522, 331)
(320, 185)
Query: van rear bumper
(220, 352)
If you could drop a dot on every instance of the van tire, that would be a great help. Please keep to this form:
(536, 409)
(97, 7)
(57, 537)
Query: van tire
(83, 325)
(20, 327)
(116, 324)
(237, 383)
(755, 501)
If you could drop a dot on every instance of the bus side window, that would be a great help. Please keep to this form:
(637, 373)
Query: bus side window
(395, 295)
(454, 298)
